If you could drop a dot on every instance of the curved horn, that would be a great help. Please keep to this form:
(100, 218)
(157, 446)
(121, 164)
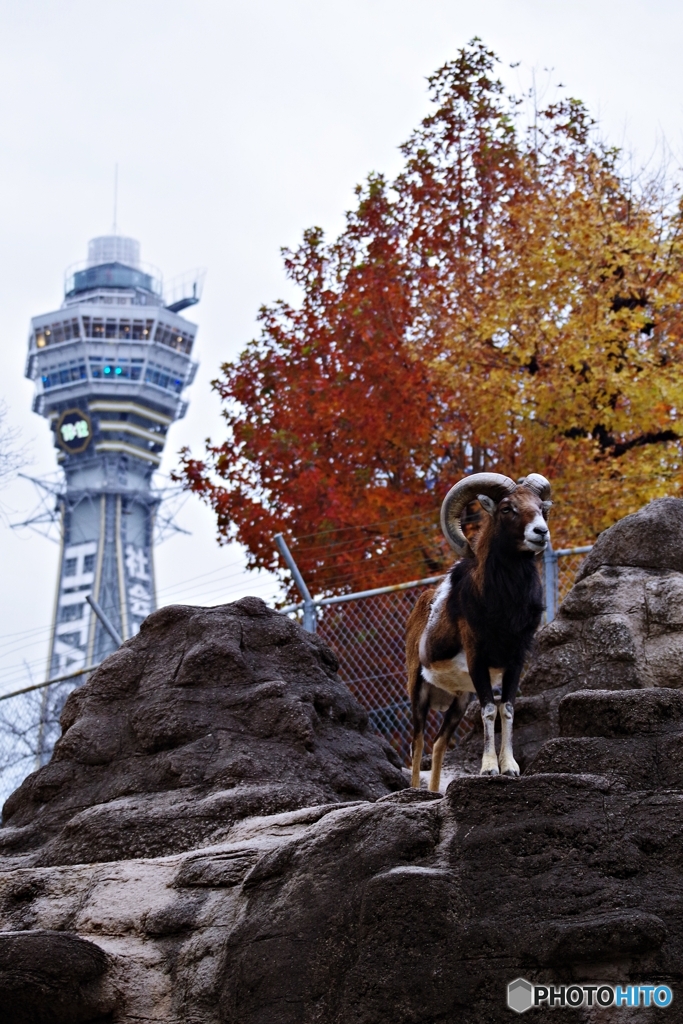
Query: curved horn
(538, 484)
(495, 485)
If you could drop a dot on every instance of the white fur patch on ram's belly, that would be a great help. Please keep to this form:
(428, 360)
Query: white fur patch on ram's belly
(449, 678)
(451, 675)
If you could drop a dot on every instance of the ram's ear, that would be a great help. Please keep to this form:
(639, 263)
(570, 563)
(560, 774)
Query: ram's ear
(545, 508)
(488, 504)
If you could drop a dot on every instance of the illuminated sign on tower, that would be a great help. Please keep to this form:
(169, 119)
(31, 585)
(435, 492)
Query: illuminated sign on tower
(110, 368)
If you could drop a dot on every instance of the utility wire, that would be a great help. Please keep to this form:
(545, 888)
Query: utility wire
(45, 631)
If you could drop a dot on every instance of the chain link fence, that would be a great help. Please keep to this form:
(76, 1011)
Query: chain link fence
(368, 636)
(568, 564)
(366, 631)
(29, 729)
(19, 739)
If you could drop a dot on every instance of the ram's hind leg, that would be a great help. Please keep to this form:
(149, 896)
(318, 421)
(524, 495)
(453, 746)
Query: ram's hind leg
(420, 704)
(448, 726)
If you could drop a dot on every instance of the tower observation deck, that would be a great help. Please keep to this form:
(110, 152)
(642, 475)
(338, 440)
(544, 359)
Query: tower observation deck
(110, 369)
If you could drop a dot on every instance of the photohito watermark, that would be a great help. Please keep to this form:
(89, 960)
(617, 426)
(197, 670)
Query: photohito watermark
(522, 995)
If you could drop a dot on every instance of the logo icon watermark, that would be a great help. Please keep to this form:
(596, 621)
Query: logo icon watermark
(523, 996)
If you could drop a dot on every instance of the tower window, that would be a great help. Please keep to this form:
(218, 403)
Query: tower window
(70, 566)
(173, 338)
(71, 639)
(64, 373)
(71, 612)
(163, 378)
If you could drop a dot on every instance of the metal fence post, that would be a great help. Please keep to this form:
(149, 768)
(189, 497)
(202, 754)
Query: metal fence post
(551, 583)
(42, 723)
(105, 620)
(310, 616)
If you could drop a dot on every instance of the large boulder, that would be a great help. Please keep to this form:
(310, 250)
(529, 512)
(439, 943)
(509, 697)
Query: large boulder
(411, 909)
(49, 977)
(166, 867)
(209, 715)
(621, 625)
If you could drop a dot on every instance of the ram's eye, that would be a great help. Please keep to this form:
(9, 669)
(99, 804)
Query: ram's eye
(507, 510)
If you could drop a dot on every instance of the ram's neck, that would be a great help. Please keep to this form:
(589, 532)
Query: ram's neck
(501, 572)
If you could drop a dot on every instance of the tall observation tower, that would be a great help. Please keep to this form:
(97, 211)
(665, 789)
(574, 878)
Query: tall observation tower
(110, 368)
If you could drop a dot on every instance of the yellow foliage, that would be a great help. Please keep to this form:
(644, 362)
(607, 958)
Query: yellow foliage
(568, 361)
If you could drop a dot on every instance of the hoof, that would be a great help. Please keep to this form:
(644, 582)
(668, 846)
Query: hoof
(489, 771)
(512, 773)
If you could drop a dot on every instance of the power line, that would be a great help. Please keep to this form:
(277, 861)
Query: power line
(30, 639)
(44, 632)
(304, 551)
(363, 526)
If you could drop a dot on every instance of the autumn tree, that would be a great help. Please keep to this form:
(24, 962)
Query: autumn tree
(512, 301)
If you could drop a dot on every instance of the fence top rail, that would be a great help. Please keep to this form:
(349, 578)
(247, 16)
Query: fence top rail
(322, 602)
(49, 682)
(378, 590)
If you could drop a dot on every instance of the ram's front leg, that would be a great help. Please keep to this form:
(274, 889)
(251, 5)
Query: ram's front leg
(489, 761)
(481, 678)
(506, 761)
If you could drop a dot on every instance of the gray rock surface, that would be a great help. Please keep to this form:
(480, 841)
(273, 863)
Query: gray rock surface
(413, 909)
(621, 625)
(634, 738)
(53, 978)
(165, 866)
(207, 716)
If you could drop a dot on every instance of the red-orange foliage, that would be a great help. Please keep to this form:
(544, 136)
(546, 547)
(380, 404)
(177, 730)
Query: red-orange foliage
(331, 417)
(509, 302)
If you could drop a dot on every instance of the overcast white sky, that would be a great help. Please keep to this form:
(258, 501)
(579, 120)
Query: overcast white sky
(236, 124)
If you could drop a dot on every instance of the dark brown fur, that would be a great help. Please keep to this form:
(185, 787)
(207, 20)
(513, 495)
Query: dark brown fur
(492, 612)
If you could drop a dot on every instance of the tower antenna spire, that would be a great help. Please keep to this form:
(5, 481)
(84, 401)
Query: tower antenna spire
(116, 193)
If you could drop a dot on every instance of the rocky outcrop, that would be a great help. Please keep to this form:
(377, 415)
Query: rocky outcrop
(634, 738)
(54, 978)
(413, 909)
(206, 717)
(621, 626)
(218, 840)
